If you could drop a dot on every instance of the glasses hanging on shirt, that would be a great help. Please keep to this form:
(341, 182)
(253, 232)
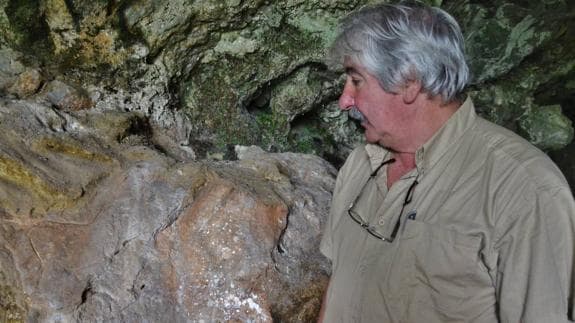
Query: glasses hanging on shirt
(371, 229)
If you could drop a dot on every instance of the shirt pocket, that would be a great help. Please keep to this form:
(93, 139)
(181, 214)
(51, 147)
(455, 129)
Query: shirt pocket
(445, 275)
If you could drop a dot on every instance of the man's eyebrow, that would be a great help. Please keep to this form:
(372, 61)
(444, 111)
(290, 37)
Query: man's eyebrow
(351, 70)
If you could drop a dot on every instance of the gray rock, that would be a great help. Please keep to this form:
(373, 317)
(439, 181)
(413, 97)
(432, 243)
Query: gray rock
(216, 74)
(105, 200)
(27, 83)
(66, 97)
(108, 230)
(10, 68)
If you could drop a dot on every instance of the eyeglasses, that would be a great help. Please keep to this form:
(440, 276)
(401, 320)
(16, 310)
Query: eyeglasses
(366, 225)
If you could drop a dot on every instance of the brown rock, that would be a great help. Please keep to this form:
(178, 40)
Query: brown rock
(66, 97)
(27, 83)
(224, 242)
(104, 231)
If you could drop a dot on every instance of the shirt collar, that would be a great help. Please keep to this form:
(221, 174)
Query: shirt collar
(376, 154)
(428, 154)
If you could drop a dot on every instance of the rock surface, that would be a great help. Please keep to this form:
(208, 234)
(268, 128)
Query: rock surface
(253, 72)
(123, 196)
(96, 229)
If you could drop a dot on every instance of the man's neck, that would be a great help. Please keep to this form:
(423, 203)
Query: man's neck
(404, 162)
(432, 115)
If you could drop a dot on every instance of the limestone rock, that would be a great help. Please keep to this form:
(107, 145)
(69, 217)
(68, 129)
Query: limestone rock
(547, 128)
(301, 295)
(516, 49)
(217, 74)
(94, 228)
(61, 24)
(10, 68)
(106, 193)
(66, 97)
(27, 83)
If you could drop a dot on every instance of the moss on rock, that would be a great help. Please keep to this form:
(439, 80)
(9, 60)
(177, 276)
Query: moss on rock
(220, 90)
(252, 72)
(47, 195)
(515, 49)
(10, 312)
(546, 127)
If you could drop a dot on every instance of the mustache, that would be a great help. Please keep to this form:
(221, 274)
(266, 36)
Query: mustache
(355, 114)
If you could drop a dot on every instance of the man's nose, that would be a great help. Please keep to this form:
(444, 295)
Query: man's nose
(346, 100)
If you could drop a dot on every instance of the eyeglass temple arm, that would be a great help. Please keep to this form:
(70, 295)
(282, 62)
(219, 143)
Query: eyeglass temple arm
(389, 161)
(407, 200)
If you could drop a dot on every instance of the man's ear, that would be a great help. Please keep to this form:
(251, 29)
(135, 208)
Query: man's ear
(410, 91)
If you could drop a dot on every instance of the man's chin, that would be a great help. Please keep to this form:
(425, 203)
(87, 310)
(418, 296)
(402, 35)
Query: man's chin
(374, 140)
(370, 140)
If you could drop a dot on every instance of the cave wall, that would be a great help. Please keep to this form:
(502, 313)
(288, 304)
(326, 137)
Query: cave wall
(220, 73)
(103, 100)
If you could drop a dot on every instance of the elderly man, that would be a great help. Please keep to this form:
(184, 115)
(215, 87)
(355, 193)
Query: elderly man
(442, 216)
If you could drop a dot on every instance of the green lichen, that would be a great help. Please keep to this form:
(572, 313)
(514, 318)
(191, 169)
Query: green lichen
(10, 311)
(234, 44)
(521, 41)
(501, 103)
(519, 52)
(48, 196)
(310, 140)
(218, 95)
(6, 34)
(546, 127)
(210, 102)
(26, 31)
(273, 131)
(317, 22)
(70, 150)
(297, 94)
(500, 37)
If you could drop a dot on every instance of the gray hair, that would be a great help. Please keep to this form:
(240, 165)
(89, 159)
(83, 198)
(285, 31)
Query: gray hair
(406, 42)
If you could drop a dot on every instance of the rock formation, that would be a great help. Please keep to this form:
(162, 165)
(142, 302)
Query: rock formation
(221, 73)
(129, 186)
(95, 228)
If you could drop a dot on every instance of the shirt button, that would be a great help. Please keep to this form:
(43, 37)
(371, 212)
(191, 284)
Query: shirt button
(381, 221)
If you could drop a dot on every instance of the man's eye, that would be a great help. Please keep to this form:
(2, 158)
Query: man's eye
(355, 82)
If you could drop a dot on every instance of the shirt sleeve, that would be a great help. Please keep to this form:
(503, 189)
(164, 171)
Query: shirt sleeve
(535, 271)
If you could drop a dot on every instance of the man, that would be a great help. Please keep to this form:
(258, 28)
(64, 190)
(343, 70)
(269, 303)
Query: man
(442, 216)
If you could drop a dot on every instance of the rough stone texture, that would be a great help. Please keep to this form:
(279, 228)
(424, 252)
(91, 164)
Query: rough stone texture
(221, 73)
(27, 83)
(519, 50)
(98, 228)
(66, 97)
(107, 184)
(10, 68)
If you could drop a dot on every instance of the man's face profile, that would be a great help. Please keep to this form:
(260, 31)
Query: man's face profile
(383, 118)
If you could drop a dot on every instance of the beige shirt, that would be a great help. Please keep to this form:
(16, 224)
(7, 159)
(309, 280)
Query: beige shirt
(487, 237)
